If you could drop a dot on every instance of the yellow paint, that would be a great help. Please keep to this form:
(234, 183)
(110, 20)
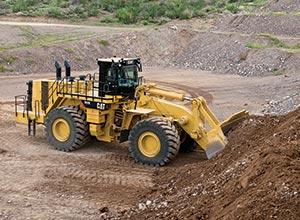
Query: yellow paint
(149, 144)
(61, 129)
(95, 116)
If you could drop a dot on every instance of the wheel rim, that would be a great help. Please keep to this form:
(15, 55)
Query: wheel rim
(149, 144)
(61, 129)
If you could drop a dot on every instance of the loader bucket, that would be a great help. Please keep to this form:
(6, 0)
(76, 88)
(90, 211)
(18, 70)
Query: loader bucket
(212, 148)
(233, 120)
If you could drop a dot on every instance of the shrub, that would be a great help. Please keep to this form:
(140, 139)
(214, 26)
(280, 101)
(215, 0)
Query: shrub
(233, 8)
(175, 8)
(22, 5)
(127, 15)
(151, 10)
(78, 12)
(107, 19)
(104, 43)
(93, 9)
(2, 68)
(55, 12)
(186, 14)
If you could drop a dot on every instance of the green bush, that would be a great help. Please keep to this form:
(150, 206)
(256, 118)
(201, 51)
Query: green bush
(127, 15)
(55, 12)
(22, 5)
(151, 10)
(187, 14)
(175, 8)
(233, 8)
(128, 11)
(93, 9)
(79, 12)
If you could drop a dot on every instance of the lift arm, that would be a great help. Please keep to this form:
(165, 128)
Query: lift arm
(197, 119)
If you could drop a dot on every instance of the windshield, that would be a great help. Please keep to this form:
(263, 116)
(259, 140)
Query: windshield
(128, 76)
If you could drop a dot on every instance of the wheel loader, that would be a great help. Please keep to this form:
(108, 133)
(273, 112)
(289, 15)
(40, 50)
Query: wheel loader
(116, 105)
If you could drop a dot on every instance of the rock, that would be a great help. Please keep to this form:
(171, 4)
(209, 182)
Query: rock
(142, 206)
(148, 202)
(104, 209)
(174, 27)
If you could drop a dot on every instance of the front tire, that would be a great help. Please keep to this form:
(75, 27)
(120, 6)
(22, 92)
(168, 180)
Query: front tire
(154, 141)
(66, 128)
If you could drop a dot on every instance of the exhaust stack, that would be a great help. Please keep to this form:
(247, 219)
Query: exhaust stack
(68, 69)
(58, 70)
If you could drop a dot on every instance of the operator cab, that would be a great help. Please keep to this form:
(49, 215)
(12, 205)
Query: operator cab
(119, 76)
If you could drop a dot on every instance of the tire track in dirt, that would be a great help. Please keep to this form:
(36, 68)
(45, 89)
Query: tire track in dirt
(79, 167)
(110, 176)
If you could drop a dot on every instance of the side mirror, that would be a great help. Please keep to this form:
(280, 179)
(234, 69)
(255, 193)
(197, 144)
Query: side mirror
(140, 67)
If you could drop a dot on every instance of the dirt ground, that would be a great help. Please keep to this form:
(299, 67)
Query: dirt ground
(255, 177)
(102, 179)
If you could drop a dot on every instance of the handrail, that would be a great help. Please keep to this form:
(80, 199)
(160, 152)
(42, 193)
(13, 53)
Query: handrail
(23, 104)
(37, 108)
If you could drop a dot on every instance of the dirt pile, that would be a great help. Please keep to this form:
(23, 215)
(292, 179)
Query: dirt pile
(209, 51)
(287, 25)
(255, 177)
(282, 6)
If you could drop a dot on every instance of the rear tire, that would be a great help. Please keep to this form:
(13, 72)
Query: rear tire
(66, 128)
(154, 141)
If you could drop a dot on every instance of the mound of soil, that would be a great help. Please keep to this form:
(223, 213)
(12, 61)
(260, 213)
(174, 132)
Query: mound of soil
(283, 5)
(287, 25)
(227, 53)
(255, 177)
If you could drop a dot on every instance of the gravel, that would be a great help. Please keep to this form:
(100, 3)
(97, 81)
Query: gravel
(283, 106)
(283, 6)
(223, 53)
(287, 25)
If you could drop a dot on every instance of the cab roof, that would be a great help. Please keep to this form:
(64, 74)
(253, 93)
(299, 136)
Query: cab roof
(116, 59)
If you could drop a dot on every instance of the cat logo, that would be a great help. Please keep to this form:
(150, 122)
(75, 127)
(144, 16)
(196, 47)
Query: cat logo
(101, 106)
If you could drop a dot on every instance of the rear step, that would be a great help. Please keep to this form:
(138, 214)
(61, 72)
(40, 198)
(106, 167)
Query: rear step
(31, 127)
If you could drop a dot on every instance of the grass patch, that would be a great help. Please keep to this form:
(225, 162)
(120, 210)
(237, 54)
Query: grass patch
(253, 45)
(70, 50)
(9, 59)
(3, 68)
(274, 43)
(129, 12)
(108, 19)
(41, 40)
(29, 61)
(78, 58)
(104, 43)
(278, 72)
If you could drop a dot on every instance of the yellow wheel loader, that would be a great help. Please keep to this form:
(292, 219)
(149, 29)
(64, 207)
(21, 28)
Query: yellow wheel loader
(116, 105)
